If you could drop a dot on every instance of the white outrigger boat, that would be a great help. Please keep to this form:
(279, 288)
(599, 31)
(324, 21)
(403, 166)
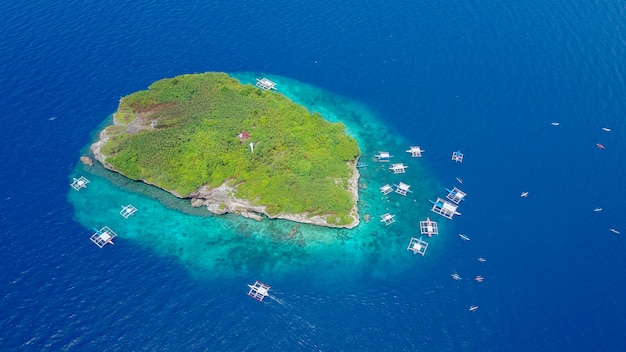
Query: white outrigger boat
(258, 290)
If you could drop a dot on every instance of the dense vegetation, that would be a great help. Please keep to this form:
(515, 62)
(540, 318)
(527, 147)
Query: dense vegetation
(300, 161)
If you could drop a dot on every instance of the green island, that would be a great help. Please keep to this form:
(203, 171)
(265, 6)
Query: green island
(235, 148)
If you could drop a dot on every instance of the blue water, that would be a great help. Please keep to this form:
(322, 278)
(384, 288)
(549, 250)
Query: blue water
(483, 77)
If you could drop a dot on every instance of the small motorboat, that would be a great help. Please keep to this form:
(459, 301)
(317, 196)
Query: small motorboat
(473, 308)
(600, 146)
(555, 124)
(606, 129)
(597, 209)
(460, 180)
(524, 194)
(614, 231)
(465, 238)
(482, 260)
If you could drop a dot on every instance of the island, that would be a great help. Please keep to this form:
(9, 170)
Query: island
(234, 148)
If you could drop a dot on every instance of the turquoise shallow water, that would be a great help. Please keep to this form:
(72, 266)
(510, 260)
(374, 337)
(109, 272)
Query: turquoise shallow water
(230, 245)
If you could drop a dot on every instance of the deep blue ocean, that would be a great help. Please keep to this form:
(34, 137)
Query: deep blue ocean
(484, 77)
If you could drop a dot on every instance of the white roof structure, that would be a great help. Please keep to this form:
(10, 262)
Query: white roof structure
(398, 168)
(258, 291)
(79, 183)
(444, 208)
(402, 188)
(383, 156)
(429, 227)
(416, 151)
(386, 189)
(265, 84)
(457, 156)
(127, 210)
(387, 218)
(417, 246)
(103, 237)
(455, 195)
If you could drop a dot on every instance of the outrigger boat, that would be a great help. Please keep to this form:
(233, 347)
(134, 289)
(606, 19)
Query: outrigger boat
(456, 276)
(258, 290)
(465, 238)
(524, 194)
(128, 210)
(457, 156)
(103, 236)
(614, 231)
(479, 278)
(429, 227)
(416, 245)
(444, 208)
(473, 308)
(600, 146)
(482, 260)
(455, 195)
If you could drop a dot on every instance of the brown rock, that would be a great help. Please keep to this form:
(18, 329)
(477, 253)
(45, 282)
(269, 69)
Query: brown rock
(86, 160)
(195, 202)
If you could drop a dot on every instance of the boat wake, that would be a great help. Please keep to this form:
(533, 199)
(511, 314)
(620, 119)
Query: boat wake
(277, 300)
